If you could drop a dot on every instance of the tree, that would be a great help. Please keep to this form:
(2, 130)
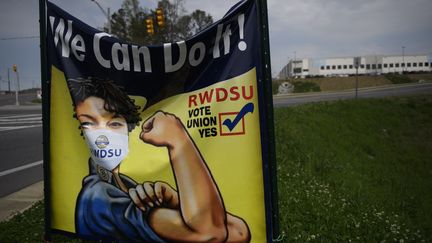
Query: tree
(198, 21)
(128, 22)
(119, 24)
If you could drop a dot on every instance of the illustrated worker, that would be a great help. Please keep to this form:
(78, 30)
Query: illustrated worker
(112, 206)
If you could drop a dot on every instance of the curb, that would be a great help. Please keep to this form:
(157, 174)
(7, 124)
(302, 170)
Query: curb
(20, 201)
(347, 91)
(21, 107)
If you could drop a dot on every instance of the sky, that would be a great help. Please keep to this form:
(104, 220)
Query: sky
(298, 29)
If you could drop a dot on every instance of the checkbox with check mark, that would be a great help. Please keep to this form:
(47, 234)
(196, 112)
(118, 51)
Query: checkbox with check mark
(232, 123)
(238, 129)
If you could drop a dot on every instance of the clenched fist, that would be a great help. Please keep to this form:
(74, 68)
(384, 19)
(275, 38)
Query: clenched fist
(163, 129)
(154, 194)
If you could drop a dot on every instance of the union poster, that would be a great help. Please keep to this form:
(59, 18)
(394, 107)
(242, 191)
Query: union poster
(158, 143)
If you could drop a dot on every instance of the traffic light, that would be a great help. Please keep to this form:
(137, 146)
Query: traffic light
(149, 24)
(14, 68)
(160, 17)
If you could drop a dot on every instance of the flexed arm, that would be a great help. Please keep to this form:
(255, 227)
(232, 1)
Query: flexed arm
(202, 216)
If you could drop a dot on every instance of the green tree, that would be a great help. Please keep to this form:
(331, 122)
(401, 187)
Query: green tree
(128, 22)
(119, 24)
(199, 20)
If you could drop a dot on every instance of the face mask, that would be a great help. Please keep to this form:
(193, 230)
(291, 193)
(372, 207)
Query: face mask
(107, 148)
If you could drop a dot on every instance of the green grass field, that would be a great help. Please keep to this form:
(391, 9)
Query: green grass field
(344, 83)
(348, 171)
(356, 170)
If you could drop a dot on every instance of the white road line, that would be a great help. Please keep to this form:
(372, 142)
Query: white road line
(15, 116)
(20, 168)
(22, 119)
(15, 122)
(15, 128)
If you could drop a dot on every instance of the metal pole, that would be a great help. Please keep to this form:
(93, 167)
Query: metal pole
(376, 65)
(17, 89)
(9, 81)
(403, 59)
(109, 20)
(294, 64)
(46, 93)
(105, 13)
(270, 173)
(356, 91)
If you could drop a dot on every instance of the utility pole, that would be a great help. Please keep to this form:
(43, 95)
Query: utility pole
(294, 64)
(15, 69)
(9, 80)
(357, 61)
(356, 96)
(106, 13)
(403, 59)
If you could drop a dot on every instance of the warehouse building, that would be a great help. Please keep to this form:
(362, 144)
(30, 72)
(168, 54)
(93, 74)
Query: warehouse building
(367, 65)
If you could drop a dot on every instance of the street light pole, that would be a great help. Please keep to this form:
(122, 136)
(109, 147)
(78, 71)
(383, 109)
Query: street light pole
(8, 80)
(294, 64)
(356, 88)
(357, 61)
(403, 59)
(106, 13)
(15, 69)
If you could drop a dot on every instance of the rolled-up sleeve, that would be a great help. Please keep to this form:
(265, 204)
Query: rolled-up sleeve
(105, 212)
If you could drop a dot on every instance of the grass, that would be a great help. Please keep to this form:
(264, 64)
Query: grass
(29, 227)
(344, 83)
(356, 170)
(37, 101)
(348, 171)
(303, 87)
(398, 78)
(421, 76)
(25, 227)
(338, 83)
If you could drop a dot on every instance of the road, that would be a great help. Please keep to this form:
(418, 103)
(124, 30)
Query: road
(10, 99)
(372, 92)
(20, 147)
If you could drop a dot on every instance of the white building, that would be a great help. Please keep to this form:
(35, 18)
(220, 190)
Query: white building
(369, 65)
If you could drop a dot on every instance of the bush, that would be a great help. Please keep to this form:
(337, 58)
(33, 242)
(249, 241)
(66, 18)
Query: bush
(302, 87)
(37, 101)
(275, 85)
(398, 79)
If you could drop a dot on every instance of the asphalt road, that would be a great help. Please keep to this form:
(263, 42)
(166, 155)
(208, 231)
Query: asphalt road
(373, 92)
(10, 99)
(20, 147)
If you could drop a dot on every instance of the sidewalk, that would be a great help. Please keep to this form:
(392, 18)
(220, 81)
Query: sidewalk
(19, 201)
(21, 107)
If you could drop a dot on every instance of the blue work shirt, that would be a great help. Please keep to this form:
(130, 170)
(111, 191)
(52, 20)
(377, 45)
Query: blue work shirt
(103, 211)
